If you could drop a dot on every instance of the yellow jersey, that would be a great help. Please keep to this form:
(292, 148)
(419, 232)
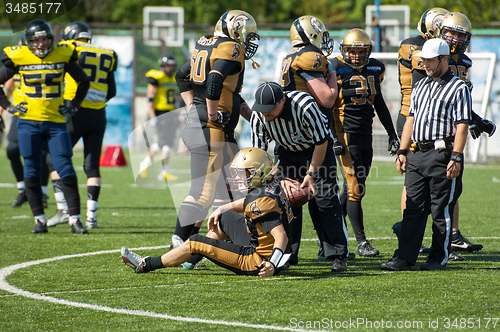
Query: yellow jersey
(167, 86)
(97, 62)
(41, 80)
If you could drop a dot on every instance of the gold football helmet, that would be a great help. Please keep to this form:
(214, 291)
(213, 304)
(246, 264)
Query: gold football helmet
(456, 24)
(310, 30)
(250, 168)
(240, 26)
(356, 38)
(430, 21)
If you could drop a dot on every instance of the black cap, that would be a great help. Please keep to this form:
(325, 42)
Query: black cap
(267, 96)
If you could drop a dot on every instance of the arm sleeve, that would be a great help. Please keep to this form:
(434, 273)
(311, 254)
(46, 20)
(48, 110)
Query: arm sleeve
(309, 75)
(152, 81)
(384, 115)
(182, 77)
(226, 67)
(111, 86)
(81, 78)
(5, 74)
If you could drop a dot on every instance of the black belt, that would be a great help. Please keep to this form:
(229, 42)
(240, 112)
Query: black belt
(429, 145)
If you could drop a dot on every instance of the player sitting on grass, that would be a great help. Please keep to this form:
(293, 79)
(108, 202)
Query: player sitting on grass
(257, 224)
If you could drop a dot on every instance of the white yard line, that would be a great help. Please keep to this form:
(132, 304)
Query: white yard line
(12, 289)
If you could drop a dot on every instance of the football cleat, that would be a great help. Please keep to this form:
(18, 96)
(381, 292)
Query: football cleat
(91, 223)
(460, 243)
(176, 241)
(61, 217)
(78, 228)
(190, 266)
(41, 226)
(21, 199)
(167, 176)
(143, 169)
(365, 249)
(133, 260)
(339, 264)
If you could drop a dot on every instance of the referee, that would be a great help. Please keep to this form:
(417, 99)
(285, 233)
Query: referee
(305, 152)
(438, 122)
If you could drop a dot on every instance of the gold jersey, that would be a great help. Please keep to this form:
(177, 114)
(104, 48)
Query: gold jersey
(17, 94)
(41, 80)
(167, 86)
(97, 62)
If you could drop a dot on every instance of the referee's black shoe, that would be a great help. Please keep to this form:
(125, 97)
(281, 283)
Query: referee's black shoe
(339, 264)
(432, 266)
(396, 264)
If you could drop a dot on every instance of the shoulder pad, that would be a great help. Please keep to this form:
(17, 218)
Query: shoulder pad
(155, 73)
(312, 61)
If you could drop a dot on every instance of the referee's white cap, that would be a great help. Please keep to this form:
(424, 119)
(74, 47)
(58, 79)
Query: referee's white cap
(434, 48)
(267, 96)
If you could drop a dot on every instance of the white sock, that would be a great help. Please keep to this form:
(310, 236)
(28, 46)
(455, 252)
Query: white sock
(20, 185)
(91, 209)
(61, 201)
(41, 218)
(74, 219)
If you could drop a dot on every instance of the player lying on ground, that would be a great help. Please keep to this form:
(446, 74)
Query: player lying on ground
(259, 237)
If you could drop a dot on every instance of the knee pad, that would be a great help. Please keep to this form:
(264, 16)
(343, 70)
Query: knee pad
(165, 149)
(155, 147)
(13, 152)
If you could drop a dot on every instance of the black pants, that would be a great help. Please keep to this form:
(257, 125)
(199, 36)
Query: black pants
(325, 209)
(428, 191)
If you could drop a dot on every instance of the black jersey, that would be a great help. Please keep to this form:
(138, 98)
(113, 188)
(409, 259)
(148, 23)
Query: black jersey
(208, 50)
(359, 93)
(265, 208)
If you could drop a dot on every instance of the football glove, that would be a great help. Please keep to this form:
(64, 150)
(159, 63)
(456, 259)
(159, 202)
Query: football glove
(486, 126)
(393, 145)
(223, 117)
(474, 131)
(338, 147)
(19, 108)
(67, 110)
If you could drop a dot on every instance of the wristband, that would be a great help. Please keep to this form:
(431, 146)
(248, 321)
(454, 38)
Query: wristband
(313, 175)
(150, 99)
(404, 152)
(276, 257)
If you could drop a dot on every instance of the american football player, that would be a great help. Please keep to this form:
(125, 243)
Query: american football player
(13, 88)
(210, 84)
(306, 67)
(161, 92)
(359, 78)
(89, 123)
(257, 224)
(41, 66)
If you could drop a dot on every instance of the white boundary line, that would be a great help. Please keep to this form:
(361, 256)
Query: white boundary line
(7, 287)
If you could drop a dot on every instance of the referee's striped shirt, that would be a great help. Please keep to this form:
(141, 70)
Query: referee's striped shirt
(437, 105)
(299, 127)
